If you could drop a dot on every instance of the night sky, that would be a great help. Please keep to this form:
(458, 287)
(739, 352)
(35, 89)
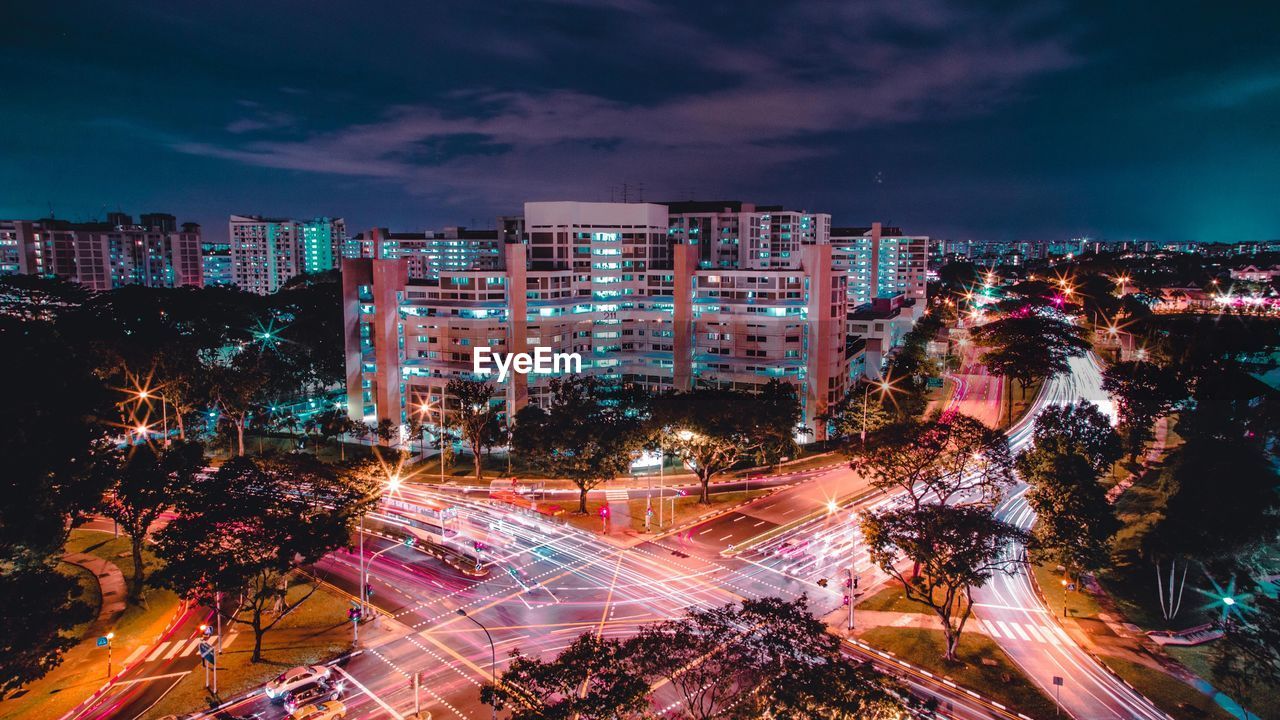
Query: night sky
(1027, 120)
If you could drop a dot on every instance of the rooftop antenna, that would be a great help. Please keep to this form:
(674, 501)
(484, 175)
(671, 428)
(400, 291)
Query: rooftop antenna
(50, 204)
(624, 192)
(640, 193)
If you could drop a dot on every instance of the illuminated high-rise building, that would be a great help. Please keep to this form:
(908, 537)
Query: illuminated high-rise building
(267, 252)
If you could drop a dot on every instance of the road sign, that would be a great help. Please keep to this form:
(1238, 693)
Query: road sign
(1057, 680)
(206, 652)
(102, 641)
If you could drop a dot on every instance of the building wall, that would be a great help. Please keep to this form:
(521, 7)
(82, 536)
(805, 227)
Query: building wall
(603, 280)
(881, 262)
(102, 256)
(267, 252)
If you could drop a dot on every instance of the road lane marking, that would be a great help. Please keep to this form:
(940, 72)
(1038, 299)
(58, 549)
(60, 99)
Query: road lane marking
(173, 651)
(726, 537)
(134, 656)
(1005, 631)
(1032, 629)
(158, 652)
(1021, 633)
(390, 710)
(190, 647)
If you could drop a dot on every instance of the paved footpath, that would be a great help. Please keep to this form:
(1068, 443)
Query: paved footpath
(111, 581)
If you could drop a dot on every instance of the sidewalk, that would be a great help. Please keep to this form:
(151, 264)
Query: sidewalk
(111, 582)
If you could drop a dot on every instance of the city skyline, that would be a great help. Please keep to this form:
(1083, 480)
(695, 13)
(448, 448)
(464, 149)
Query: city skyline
(1037, 122)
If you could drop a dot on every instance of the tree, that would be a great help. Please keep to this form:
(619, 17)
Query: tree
(1247, 658)
(142, 482)
(766, 657)
(55, 419)
(592, 679)
(244, 529)
(40, 605)
(1079, 428)
(581, 436)
(477, 418)
(952, 456)
(54, 422)
(713, 429)
(1075, 522)
(1144, 392)
(385, 430)
(1027, 347)
(333, 424)
(845, 418)
(956, 549)
(236, 390)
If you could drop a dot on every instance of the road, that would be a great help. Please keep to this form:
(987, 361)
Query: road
(1008, 607)
(549, 582)
(1022, 625)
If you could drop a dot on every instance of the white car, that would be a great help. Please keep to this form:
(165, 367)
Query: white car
(330, 710)
(296, 677)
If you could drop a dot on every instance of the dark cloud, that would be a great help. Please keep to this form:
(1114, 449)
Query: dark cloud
(995, 119)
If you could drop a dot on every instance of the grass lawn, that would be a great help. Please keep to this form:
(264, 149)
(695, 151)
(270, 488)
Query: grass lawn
(316, 631)
(1001, 681)
(892, 599)
(1080, 604)
(1169, 693)
(1022, 401)
(1264, 701)
(84, 666)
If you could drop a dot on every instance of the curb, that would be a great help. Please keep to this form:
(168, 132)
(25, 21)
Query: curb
(1035, 585)
(886, 655)
(178, 616)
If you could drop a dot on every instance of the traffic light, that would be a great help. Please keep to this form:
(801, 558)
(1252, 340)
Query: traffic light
(353, 614)
(848, 582)
(846, 600)
(410, 541)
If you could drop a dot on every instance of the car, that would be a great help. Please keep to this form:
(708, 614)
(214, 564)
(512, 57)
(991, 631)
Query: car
(328, 710)
(295, 678)
(311, 693)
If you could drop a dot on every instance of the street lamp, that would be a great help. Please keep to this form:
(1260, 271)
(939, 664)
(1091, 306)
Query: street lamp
(422, 411)
(493, 659)
(885, 387)
(145, 394)
(393, 484)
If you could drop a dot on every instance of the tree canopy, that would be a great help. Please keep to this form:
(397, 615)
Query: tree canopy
(954, 549)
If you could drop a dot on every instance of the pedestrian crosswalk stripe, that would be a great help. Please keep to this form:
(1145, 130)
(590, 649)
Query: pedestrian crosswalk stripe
(1034, 633)
(1021, 633)
(173, 651)
(1005, 631)
(226, 643)
(134, 655)
(991, 629)
(158, 652)
(191, 646)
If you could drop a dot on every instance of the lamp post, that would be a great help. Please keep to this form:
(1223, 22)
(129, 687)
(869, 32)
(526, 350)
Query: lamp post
(109, 636)
(393, 484)
(493, 658)
(145, 394)
(884, 387)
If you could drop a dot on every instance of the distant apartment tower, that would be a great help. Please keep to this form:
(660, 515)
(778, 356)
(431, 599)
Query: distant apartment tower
(736, 235)
(267, 252)
(430, 252)
(881, 262)
(626, 286)
(105, 255)
(215, 263)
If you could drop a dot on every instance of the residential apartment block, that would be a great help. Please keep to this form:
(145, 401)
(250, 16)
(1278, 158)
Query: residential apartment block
(155, 252)
(881, 262)
(430, 252)
(663, 297)
(267, 252)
